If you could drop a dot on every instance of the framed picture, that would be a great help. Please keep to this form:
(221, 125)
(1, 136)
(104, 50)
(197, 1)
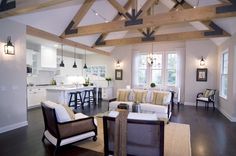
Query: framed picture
(118, 74)
(201, 74)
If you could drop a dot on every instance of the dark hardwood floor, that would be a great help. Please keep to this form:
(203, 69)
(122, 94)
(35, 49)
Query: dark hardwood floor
(211, 134)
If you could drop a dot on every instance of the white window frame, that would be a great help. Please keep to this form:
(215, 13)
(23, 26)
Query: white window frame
(223, 74)
(164, 70)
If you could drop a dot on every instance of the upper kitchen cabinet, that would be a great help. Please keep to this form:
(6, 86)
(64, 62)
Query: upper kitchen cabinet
(48, 58)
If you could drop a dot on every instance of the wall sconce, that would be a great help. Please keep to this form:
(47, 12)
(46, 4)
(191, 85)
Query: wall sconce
(118, 64)
(202, 62)
(9, 48)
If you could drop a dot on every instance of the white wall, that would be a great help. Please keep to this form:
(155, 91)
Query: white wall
(194, 51)
(228, 106)
(13, 111)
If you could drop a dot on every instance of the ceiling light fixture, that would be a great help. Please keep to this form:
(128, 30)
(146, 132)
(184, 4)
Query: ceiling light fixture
(85, 65)
(75, 65)
(150, 57)
(62, 63)
(9, 48)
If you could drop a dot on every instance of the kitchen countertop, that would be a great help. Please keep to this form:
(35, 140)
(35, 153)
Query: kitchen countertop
(62, 88)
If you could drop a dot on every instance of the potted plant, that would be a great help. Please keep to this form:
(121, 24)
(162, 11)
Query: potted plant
(152, 85)
(108, 80)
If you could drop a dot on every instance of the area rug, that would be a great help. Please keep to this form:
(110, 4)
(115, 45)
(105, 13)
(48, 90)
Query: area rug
(177, 140)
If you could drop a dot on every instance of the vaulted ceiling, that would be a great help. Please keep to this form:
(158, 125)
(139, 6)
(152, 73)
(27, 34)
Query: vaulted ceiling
(58, 18)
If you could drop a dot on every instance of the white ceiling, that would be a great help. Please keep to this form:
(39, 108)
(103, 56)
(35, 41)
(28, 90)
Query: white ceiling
(55, 19)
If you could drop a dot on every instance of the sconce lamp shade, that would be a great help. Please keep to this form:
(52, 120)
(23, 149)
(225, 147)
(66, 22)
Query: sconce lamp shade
(118, 64)
(9, 47)
(202, 62)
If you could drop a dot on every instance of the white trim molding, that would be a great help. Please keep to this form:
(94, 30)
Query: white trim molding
(232, 119)
(13, 126)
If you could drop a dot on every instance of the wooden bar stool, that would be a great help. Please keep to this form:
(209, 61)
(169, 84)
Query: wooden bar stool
(73, 99)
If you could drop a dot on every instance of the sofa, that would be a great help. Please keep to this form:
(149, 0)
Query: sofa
(151, 101)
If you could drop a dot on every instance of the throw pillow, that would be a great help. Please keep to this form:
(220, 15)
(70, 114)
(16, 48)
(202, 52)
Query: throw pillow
(69, 111)
(206, 93)
(123, 95)
(140, 96)
(158, 98)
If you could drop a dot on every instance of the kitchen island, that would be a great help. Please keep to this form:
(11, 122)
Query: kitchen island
(61, 95)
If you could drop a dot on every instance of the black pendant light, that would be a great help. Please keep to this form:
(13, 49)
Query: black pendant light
(85, 66)
(75, 65)
(62, 63)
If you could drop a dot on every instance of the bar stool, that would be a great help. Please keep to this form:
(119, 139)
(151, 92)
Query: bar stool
(80, 99)
(99, 94)
(76, 98)
(89, 96)
(73, 99)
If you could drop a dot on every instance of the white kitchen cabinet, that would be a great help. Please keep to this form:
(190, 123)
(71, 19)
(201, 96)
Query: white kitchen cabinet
(48, 57)
(35, 95)
(107, 93)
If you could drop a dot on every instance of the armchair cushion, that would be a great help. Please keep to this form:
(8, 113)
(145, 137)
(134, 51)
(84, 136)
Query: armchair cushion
(69, 111)
(61, 113)
(203, 99)
(208, 92)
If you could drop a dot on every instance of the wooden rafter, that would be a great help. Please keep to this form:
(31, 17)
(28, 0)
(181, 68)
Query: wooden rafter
(27, 6)
(117, 17)
(52, 37)
(79, 15)
(197, 14)
(163, 38)
(209, 23)
(124, 11)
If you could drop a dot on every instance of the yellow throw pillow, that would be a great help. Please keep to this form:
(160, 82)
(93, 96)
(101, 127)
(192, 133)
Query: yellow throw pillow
(123, 95)
(69, 111)
(158, 98)
(206, 93)
(140, 96)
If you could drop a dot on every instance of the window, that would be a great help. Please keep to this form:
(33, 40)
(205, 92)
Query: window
(171, 69)
(224, 75)
(142, 69)
(157, 69)
(162, 72)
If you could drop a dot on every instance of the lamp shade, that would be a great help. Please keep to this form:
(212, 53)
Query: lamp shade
(202, 62)
(9, 48)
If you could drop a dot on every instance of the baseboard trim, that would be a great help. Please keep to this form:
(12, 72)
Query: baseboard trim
(232, 119)
(13, 126)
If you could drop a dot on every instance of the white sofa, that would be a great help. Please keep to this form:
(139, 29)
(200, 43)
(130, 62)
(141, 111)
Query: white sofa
(162, 111)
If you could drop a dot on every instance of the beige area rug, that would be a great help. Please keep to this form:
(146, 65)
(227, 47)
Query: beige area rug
(177, 140)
